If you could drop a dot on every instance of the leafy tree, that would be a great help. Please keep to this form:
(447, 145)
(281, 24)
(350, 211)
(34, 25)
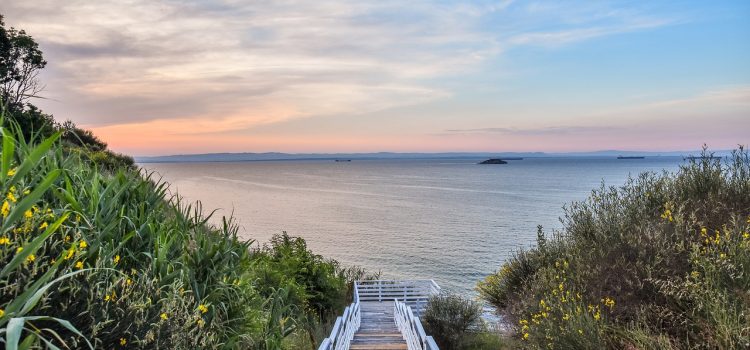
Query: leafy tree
(20, 63)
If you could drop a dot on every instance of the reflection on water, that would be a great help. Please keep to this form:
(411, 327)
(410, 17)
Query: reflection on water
(453, 221)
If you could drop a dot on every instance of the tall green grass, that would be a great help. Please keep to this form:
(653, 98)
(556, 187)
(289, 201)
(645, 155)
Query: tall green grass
(100, 256)
(662, 262)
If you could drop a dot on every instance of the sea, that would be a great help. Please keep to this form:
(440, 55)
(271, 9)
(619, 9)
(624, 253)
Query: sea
(450, 220)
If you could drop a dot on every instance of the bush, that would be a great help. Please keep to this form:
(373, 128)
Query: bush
(107, 257)
(448, 317)
(661, 262)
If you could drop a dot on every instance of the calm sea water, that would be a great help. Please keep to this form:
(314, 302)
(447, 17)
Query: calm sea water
(449, 220)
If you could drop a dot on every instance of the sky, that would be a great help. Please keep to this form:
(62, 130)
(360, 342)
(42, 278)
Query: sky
(159, 77)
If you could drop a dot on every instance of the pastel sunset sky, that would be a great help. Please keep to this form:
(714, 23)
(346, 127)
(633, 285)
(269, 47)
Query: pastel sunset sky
(156, 77)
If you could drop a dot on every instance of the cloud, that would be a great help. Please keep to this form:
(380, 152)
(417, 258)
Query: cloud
(553, 130)
(114, 62)
(127, 62)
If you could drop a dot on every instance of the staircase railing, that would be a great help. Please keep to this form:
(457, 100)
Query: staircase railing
(414, 293)
(411, 328)
(344, 329)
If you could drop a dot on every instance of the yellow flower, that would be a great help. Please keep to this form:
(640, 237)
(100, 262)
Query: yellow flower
(12, 172)
(128, 281)
(2, 313)
(202, 308)
(609, 302)
(523, 322)
(722, 256)
(5, 209)
(4, 241)
(116, 259)
(123, 341)
(746, 235)
(200, 322)
(11, 197)
(43, 225)
(83, 245)
(164, 316)
(26, 191)
(79, 265)
(566, 317)
(580, 331)
(525, 336)
(106, 297)
(71, 251)
(19, 249)
(597, 315)
(28, 214)
(30, 258)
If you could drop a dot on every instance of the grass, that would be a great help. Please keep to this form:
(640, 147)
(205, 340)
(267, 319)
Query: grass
(662, 262)
(100, 256)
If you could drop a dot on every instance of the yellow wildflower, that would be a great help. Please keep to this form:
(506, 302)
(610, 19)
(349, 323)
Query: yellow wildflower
(12, 172)
(202, 308)
(5, 209)
(106, 297)
(4, 241)
(703, 231)
(43, 225)
(71, 251)
(2, 313)
(746, 235)
(30, 258)
(597, 315)
(83, 245)
(11, 197)
(566, 317)
(525, 336)
(123, 341)
(523, 322)
(26, 192)
(200, 322)
(164, 316)
(19, 249)
(580, 331)
(28, 214)
(609, 302)
(722, 256)
(695, 274)
(128, 281)
(79, 265)
(116, 259)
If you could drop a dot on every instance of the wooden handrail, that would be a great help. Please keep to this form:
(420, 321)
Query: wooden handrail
(411, 328)
(344, 329)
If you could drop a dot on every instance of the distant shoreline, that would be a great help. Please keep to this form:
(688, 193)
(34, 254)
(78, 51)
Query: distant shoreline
(256, 157)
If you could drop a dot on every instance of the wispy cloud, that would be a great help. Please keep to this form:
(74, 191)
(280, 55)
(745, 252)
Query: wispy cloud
(552, 130)
(127, 62)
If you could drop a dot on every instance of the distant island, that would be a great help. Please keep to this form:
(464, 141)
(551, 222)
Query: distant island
(493, 161)
(630, 157)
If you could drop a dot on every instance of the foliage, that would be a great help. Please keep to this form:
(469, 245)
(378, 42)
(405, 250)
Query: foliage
(106, 257)
(448, 317)
(20, 63)
(661, 262)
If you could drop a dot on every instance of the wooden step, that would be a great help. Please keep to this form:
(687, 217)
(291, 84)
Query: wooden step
(378, 346)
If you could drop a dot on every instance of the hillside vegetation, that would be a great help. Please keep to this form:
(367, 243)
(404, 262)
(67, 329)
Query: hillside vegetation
(99, 257)
(662, 262)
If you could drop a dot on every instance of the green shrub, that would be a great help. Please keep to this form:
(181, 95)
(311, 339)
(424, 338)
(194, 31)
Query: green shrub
(120, 264)
(661, 262)
(448, 317)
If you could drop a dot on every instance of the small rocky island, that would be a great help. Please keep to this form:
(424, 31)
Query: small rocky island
(493, 161)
